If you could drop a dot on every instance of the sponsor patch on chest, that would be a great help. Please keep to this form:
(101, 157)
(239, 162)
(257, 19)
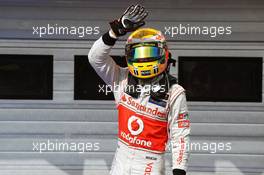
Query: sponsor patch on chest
(149, 108)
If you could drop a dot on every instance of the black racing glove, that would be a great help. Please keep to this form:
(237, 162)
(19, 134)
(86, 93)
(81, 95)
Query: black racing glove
(132, 19)
(179, 172)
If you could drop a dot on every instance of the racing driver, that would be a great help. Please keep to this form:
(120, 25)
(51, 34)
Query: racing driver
(151, 106)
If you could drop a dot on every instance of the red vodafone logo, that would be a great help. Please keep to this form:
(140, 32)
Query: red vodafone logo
(135, 125)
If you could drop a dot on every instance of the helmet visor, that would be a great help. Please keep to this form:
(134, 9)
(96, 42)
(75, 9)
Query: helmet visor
(144, 54)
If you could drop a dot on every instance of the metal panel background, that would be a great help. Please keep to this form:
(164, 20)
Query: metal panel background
(24, 122)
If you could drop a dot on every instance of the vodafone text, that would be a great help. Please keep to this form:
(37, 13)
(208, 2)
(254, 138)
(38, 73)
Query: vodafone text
(136, 140)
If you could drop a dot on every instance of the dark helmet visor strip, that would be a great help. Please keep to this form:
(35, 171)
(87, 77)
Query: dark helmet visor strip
(144, 52)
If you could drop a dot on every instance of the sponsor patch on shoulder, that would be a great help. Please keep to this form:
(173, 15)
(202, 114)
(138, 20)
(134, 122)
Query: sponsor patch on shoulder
(158, 102)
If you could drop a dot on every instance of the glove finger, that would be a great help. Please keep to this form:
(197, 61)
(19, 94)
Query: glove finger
(141, 18)
(135, 11)
(141, 11)
(140, 15)
(135, 18)
(144, 15)
(135, 7)
(129, 9)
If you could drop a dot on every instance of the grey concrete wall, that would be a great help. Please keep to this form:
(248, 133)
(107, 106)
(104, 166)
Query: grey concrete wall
(64, 119)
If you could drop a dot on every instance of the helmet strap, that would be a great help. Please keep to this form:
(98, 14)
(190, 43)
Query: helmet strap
(172, 62)
(164, 88)
(132, 84)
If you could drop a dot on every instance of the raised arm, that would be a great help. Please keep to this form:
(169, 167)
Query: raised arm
(99, 58)
(102, 62)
